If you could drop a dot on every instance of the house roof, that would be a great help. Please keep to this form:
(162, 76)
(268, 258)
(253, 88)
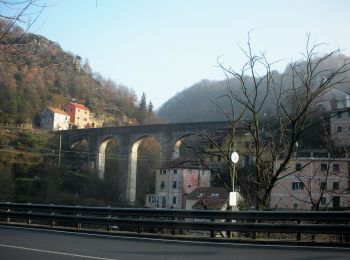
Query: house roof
(181, 164)
(214, 198)
(77, 105)
(57, 111)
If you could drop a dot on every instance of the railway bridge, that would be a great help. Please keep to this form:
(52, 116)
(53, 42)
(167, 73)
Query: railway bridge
(169, 137)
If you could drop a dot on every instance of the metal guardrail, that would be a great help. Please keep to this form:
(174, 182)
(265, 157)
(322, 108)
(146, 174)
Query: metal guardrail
(298, 222)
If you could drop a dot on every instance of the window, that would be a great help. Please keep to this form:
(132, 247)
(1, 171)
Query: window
(174, 200)
(175, 171)
(324, 167)
(336, 185)
(297, 186)
(323, 185)
(77, 117)
(349, 128)
(189, 186)
(336, 202)
(348, 113)
(336, 167)
(323, 201)
(298, 167)
(78, 110)
(211, 146)
(174, 185)
(211, 158)
(339, 129)
(85, 112)
(339, 115)
(162, 185)
(219, 158)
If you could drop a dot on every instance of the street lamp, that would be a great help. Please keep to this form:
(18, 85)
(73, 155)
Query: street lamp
(234, 195)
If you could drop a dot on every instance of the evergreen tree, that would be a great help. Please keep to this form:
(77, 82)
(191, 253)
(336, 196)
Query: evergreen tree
(142, 110)
(150, 108)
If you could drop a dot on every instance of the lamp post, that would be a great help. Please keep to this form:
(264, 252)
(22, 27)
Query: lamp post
(233, 194)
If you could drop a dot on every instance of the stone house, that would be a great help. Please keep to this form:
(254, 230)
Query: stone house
(54, 119)
(96, 120)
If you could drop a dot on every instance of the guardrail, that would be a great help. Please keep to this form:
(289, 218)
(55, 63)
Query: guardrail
(149, 220)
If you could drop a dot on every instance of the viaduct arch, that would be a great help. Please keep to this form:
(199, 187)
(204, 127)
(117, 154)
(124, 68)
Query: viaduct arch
(129, 138)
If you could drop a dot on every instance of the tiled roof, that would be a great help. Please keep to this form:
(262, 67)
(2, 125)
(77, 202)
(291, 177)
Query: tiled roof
(214, 198)
(77, 105)
(181, 164)
(57, 111)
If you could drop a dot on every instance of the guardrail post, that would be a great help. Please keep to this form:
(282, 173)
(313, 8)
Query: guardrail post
(8, 219)
(53, 223)
(347, 235)
(299, 234)
(254, 233)
(139, 229)
(212, 232)
(29, 221)
(78, 223)
(109, 227)
(173, 229)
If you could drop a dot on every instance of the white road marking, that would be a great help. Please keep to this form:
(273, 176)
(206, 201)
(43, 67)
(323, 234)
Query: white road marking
(56, 253)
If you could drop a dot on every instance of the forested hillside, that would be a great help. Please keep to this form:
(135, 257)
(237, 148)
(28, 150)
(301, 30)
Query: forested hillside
(35, 72)
(207, 100)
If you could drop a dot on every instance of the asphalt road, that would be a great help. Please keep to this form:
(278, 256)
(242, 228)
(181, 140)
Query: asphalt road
(29, 244)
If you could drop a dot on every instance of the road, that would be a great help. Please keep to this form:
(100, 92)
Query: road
(20, 243)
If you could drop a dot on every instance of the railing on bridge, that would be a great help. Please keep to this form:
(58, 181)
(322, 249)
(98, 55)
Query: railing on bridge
(248, 223)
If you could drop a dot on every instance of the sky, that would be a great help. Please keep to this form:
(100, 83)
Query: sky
(161, 47)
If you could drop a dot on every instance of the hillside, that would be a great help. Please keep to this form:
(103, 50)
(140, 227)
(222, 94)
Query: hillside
(35, 72)
(205, 100)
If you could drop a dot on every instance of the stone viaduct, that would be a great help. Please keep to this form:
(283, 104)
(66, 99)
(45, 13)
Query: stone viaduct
(129, 138)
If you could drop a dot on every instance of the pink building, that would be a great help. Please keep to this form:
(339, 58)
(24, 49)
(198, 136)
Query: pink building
(174, 182)
(310, 181)
(79, 114)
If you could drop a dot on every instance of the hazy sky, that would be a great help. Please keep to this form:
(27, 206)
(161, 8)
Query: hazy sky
(161, 47)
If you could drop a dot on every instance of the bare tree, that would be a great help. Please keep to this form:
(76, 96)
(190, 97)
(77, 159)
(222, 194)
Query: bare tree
(279, 109)
(16, 42)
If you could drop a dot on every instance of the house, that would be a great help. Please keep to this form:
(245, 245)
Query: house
(54, 119)
(340, 127)
(315, 179)
(208, 198)
(96, 120)
(174, 182)
(79, 114)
